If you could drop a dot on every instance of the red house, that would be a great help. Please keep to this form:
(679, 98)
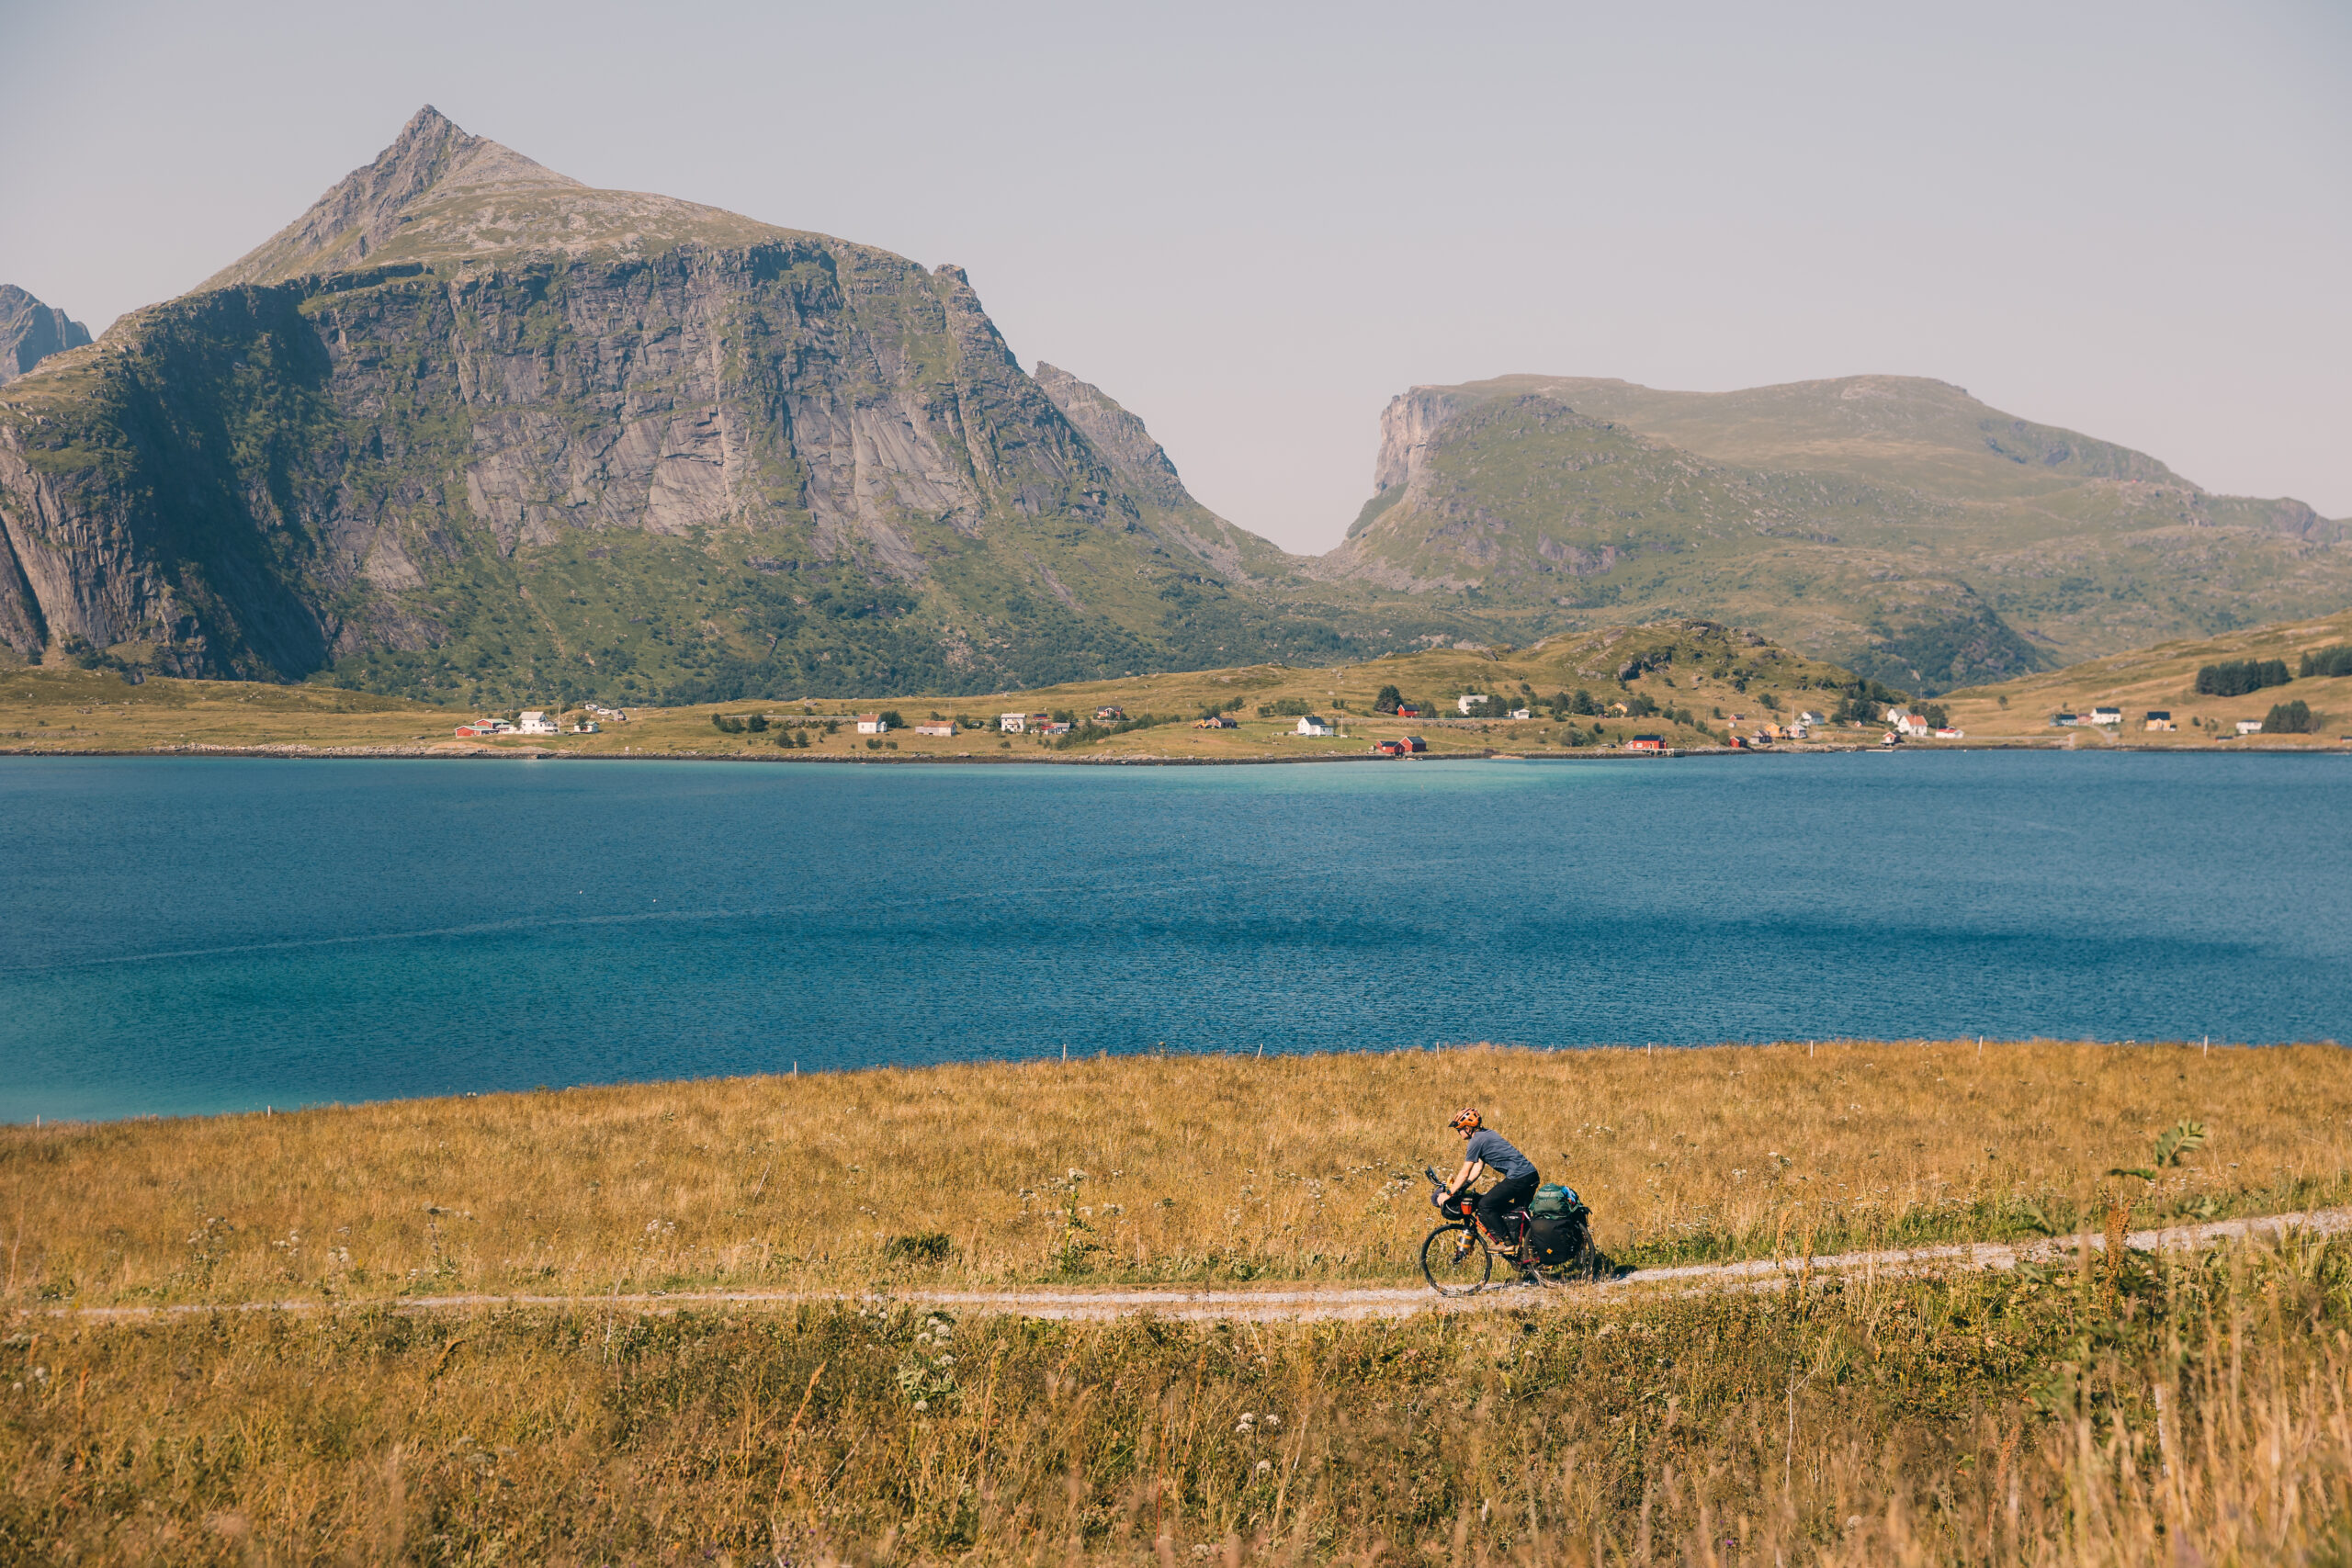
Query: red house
(1646, 743)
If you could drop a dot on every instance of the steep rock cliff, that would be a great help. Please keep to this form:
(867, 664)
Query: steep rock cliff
(469, 421)
(30, 331)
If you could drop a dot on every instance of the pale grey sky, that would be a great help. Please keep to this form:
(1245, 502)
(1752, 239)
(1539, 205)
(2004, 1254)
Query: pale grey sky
(1254, 223)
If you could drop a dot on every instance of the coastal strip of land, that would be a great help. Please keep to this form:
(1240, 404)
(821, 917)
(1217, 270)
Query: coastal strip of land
(1674, 688)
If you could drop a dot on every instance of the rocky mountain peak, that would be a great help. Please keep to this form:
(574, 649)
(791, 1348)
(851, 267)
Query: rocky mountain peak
(439, 195)
(30, 331)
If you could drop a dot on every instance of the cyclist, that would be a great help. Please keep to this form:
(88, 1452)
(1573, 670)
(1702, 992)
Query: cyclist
(1516, 1184)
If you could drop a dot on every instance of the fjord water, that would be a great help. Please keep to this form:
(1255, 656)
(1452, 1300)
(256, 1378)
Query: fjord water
(192, 935)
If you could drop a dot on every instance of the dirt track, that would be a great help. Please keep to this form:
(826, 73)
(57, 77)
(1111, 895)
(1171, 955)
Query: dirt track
(1304, 1304)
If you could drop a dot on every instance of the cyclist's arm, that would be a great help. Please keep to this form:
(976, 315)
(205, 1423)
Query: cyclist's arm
(1465, 1177)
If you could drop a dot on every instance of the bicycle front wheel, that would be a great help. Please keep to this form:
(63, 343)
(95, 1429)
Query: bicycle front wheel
(1455, 1261)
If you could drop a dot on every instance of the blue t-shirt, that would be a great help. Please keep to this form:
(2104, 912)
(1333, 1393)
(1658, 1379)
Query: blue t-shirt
(1490, 1150)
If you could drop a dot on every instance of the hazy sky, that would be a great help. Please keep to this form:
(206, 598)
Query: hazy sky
(1254, 224)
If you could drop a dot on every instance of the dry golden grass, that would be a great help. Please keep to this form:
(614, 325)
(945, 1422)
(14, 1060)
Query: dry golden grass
(2192, 1410)
(1195, 1168)
(2188, 1411)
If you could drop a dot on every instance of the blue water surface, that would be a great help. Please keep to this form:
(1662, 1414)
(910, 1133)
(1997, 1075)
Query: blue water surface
(193, 935)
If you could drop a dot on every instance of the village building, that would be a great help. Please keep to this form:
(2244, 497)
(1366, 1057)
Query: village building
(1312, 724)
(2107, 715)
(1948, 733)
(1216, 721)
(1469, 700)
(1109, 714)
(936, 727)
(2159, 719)
(871, 723)
(2249, 727)
(535, 722)
(1646, 743)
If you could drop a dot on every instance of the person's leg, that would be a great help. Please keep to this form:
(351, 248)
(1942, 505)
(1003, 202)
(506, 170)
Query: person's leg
(1496, 1202)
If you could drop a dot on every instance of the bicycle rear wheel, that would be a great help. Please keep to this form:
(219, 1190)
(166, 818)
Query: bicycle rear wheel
(1455, 1261)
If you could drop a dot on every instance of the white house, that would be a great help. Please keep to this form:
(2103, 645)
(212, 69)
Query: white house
(1468, 700)
(871, 723)
(936, 727)
(535, 722)
(587, 727)
(1521, 713)
(1313, 724)
(2249, 727)
(1807, 720)
(1912, 724)
(1948, 733)
(1013, 723)
(2107, 715)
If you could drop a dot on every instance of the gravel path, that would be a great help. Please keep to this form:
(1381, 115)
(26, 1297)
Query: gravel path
(1302, 1303)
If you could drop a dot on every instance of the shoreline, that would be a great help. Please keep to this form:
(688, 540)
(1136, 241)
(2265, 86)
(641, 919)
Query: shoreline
(298, 753)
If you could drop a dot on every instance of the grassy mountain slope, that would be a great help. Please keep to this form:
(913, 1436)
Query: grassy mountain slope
(469, 427)
(1892, 522)
(2163, 678)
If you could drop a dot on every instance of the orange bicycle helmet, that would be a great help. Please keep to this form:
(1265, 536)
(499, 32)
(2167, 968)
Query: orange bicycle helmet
(1466, 1117)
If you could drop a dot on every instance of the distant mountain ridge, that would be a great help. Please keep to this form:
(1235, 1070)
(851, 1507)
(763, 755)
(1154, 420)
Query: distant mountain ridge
(468, 428)
(1892, 522)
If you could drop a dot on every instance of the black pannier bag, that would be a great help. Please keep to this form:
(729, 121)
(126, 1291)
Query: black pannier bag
(1557, 1230)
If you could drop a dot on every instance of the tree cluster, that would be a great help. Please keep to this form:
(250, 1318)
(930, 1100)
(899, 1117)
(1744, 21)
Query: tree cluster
(2237, 677)
(2290, 718)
